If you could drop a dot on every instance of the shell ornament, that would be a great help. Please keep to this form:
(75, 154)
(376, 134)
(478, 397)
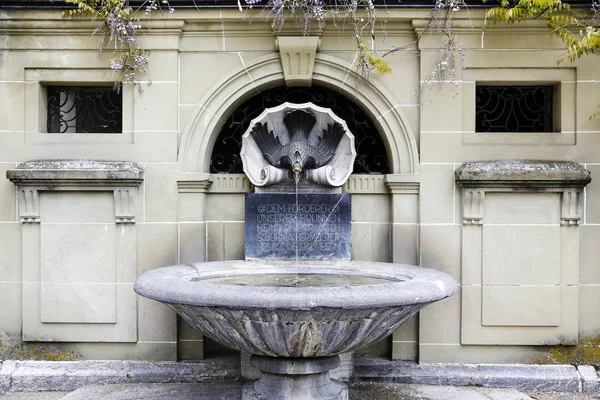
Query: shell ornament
(298, 141)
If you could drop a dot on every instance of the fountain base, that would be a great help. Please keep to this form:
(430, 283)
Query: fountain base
(295, 379)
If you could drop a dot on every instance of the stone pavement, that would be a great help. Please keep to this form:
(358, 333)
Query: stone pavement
(358, 391)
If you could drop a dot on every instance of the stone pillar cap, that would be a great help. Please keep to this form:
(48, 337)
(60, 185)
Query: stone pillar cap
(524, 171)
(76, 172)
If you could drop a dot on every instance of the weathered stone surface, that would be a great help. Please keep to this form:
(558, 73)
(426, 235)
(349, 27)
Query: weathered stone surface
(294, 378)
(566, 173)
(71, 375)
(561, 378)
(589, 379)
(298, 227)
(66, 375)
(185, 372)
(172, 391)
(75, 171)
(390, 391)
(6, 370)
(385, 378)
(266, 308)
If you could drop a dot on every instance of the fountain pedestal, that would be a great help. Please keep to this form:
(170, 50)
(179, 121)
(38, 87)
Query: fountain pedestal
(295, 379)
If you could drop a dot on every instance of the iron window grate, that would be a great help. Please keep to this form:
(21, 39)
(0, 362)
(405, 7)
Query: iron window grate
(84, 109)
(514, 108)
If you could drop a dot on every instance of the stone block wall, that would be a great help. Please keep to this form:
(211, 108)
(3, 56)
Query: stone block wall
(205, 64)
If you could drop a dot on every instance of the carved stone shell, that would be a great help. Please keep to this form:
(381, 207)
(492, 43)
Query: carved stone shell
(274, 136)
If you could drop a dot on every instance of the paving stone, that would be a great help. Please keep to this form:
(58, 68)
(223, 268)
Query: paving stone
(589, 379)
(33, 396)
(387, 391)
(71, 375)
(172, 391)
(527, 378)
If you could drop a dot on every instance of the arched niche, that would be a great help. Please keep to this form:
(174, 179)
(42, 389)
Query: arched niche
(205, 124)
(372, 154)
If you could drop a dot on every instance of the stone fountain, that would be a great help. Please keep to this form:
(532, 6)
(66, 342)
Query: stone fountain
(297, 301)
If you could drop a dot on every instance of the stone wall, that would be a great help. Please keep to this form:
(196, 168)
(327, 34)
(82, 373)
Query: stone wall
(206, 63)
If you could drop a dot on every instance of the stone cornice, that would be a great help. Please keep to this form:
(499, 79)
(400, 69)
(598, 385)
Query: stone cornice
(33, 177)
(480, 178)
(522, 173)
(402, 184)
(59, 173)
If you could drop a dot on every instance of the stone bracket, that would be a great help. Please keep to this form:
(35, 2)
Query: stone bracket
(473, 201)
(31, 177)
(125, 205)
(298, 58)
(29, 205)
(571, 206)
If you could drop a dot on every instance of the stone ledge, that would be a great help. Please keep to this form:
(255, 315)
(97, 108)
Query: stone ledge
(76, 173)
(589, 379)
(522, 172)
(523, 377)
(71, 375)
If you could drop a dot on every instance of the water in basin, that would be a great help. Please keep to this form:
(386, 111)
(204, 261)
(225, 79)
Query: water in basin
(299, 280)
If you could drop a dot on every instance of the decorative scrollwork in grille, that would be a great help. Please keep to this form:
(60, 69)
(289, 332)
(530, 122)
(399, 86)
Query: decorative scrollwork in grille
(84, 109)
(514, 109)
(371, 152)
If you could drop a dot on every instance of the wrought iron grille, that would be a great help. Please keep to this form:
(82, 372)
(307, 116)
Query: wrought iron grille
(84, 109)
(371, 152)
(514, 109)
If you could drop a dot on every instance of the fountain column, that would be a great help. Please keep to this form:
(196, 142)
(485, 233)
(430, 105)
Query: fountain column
(295, 378)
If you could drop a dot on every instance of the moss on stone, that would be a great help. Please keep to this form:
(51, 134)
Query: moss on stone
(587, 352)
(16, 350)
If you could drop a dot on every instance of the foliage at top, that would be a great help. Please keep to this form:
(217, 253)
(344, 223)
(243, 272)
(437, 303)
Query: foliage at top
(580, 33)
(120, 27)
(118, 30)
(359, 15)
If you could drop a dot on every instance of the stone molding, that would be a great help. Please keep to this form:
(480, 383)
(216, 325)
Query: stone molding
(121, 177)
(365, 184)
(18, 376)
(230, 183)
(567, 178)
(203, 127)
(298, 58)
(402, 184)
(194, 186)
(356, 184)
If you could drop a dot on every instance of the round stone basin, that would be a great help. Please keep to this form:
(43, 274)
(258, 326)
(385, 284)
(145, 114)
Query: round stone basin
(289, 309)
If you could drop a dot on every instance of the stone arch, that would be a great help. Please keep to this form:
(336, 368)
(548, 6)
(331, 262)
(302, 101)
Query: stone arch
(205, 124)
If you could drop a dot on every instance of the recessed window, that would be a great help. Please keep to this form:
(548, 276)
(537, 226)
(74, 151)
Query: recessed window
(84, 109)
(514, 108)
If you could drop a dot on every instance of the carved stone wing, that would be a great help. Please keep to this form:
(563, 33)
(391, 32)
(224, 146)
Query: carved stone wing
(299, 123)
(268, 144)
(324, 150)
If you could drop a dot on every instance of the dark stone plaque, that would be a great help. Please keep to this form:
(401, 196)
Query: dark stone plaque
(302, 227)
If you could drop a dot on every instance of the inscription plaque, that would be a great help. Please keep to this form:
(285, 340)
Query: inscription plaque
(298, 227)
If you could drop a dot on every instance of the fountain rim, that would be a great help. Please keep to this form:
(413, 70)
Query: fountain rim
(408, 284)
